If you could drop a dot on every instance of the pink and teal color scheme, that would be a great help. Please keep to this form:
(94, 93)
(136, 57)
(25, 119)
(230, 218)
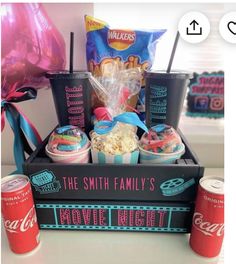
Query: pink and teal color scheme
(162, 144)
(148, 157)
(23, 129)
(68, 144)
(80, 157)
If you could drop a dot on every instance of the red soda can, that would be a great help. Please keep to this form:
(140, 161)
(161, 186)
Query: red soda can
(208, 220)
(19, 213)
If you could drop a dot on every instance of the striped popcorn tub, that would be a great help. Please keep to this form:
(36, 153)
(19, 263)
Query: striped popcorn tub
(103, 152)
(126, 158)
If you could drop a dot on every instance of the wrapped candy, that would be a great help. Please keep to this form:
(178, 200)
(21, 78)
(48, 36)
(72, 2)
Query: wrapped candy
(114, 138)
(117, 87)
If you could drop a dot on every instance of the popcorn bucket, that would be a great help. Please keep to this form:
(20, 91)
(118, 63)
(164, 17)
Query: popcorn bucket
(104, 158)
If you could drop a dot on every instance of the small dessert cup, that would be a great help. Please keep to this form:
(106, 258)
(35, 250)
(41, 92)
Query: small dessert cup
(149, 157)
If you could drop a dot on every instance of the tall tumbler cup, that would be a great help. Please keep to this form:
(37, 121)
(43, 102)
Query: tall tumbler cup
(164, 96)
(72, 98)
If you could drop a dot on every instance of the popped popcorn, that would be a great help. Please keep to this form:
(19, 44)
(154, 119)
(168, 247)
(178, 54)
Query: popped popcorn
(118, 141)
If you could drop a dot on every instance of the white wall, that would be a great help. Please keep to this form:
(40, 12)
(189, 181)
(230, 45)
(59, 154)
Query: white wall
(167, 15)
(67, 18)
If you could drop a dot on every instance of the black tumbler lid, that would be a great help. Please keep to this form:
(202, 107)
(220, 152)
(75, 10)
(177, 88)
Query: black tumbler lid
(68, 75)
(175, 74)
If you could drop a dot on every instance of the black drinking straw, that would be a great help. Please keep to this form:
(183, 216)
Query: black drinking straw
(71, 51)
(173, 52)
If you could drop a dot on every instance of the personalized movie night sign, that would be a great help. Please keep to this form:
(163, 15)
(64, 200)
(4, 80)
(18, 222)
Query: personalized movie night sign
(159, 186)
(115, 216)
(206, 95)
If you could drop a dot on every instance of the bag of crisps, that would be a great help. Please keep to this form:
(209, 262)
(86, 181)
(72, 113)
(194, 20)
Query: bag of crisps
(107, 48)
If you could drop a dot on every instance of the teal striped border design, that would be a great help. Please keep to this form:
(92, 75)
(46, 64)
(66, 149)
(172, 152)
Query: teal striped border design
(128, 207)
(112, 228)
(110, 208)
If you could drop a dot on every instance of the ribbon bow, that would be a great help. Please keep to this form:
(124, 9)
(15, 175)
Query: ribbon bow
(104, 127)
(24, 131)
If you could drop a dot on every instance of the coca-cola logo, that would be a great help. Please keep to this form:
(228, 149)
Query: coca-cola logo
(207, 228)
(23, 224)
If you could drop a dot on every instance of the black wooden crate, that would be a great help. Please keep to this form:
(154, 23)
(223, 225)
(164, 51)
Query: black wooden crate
(140, 182)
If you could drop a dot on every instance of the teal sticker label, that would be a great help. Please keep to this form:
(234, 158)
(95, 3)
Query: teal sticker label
(175, 186)
(45, 182)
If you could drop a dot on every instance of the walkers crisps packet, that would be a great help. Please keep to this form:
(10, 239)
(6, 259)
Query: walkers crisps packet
(127, 47)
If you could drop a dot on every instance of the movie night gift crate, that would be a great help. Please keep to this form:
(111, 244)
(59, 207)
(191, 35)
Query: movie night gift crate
(139, 197)
(143, 196)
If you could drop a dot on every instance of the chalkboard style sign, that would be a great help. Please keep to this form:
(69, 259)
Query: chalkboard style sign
(206, 95)
(114, 216)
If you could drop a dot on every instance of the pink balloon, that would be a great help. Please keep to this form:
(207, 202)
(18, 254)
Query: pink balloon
(31, 46)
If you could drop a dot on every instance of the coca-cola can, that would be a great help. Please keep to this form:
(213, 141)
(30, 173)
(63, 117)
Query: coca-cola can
(208, 220)
(19, 215)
